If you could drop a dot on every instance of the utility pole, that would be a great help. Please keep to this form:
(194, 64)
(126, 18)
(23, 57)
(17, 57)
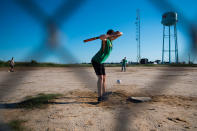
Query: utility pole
(138, 35)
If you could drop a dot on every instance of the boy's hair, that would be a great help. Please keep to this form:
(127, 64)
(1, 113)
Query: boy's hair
(109, 32)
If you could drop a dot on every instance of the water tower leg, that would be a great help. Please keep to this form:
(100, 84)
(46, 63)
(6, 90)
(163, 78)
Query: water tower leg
(163, 45)
(169, 48)
(176, 44)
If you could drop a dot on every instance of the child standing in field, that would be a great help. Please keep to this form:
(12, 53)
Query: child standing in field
(11, 64)
(99, 59)
(124, 63)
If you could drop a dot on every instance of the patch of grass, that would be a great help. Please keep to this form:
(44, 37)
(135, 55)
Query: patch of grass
(39, 101)
(3, 63)
(17, 125)
(183, 65)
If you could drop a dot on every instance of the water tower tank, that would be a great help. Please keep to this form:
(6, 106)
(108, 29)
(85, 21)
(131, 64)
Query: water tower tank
(169, 18)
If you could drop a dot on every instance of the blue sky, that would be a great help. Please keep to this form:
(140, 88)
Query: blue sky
(21, 33)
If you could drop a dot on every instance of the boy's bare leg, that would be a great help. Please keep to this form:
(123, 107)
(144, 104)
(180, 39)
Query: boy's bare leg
(11, 69)
(104, 84)
(99, 85)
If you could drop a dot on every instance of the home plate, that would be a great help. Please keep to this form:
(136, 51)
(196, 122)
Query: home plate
(139, 99)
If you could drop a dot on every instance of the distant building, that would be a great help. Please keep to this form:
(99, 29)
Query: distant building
(150, 62)
(158, 61)
(144, 61)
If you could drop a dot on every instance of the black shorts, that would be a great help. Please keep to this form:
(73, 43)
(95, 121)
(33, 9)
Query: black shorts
(98, 68)
(11, 66)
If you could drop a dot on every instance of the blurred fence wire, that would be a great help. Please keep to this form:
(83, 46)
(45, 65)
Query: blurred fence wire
(53, 23)
(158, 86)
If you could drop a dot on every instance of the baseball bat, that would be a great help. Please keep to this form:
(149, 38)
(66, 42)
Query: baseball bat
(91, 39)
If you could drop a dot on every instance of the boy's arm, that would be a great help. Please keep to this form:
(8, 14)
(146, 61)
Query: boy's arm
(116, 35)
(103, 45)
(113, 36)
(104, 39)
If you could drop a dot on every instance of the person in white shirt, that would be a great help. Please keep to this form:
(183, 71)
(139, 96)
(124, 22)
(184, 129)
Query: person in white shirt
(11, 64)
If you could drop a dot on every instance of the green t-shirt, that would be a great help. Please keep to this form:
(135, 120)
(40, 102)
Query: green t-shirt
(124, 62)
(101, 55)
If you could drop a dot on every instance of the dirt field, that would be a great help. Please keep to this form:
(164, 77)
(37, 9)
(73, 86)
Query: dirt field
(173, 92)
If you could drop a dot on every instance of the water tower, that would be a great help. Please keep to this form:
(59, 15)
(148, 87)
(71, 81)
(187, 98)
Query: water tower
(169, 20)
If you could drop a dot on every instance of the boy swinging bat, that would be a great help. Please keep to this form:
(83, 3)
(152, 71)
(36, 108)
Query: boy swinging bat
(100, 57)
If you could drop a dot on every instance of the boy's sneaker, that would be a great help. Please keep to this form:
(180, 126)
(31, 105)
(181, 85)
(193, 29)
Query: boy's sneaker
(104, 98)
(99, 99)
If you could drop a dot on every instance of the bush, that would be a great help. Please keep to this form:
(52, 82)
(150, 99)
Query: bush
(34, 62)
(3, 63)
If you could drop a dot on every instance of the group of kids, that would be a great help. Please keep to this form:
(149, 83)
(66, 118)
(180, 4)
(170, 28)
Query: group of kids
(98, 61)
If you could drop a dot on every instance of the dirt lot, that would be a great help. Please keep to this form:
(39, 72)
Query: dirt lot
(173, 92)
